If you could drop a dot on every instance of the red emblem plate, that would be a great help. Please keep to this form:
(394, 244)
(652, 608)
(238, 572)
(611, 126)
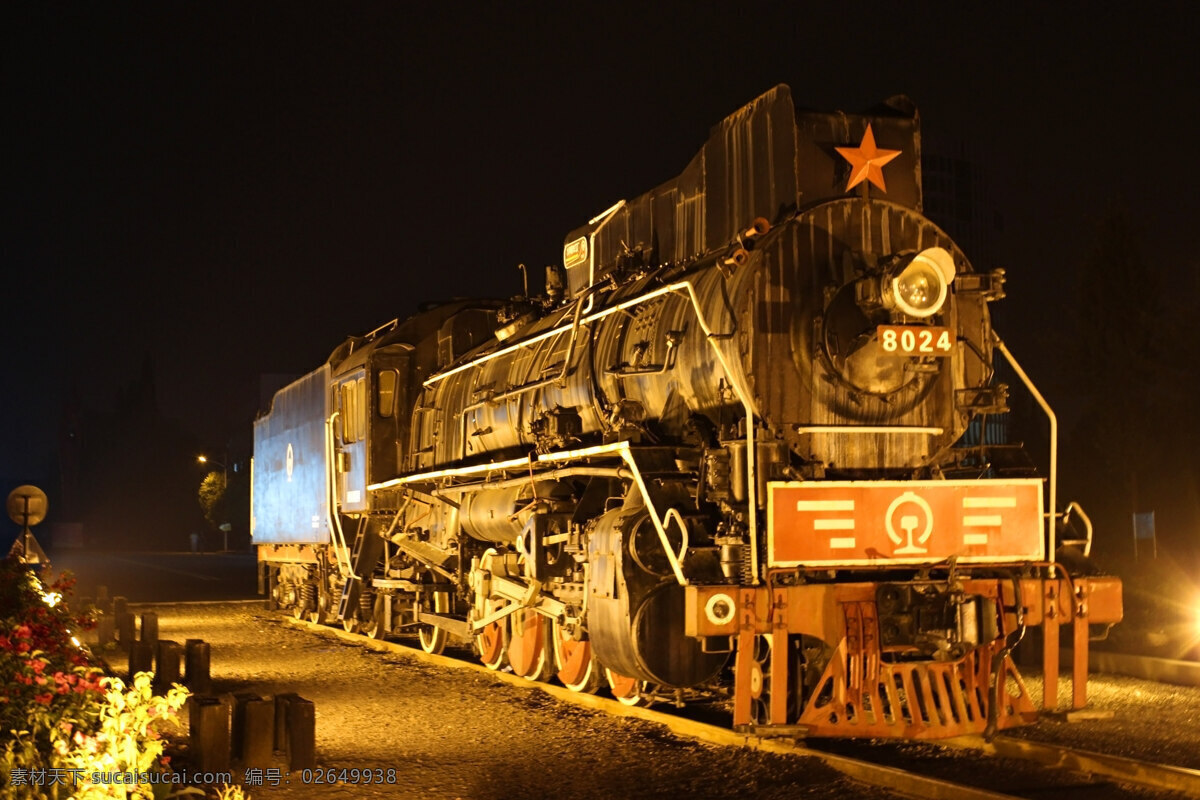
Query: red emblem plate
(845, 523)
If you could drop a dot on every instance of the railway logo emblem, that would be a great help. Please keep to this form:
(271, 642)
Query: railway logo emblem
(817, 523)
(909, 523)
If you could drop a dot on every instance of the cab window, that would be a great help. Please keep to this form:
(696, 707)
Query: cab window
(353, 422)
(387, 380)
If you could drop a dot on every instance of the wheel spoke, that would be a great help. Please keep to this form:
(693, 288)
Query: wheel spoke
(629, 691)
(576, 666)
(527, 651)
(492, 643)
(433, 639)
(375, 627)
(320, 614)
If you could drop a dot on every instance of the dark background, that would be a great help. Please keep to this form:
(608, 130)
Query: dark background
(198, 196)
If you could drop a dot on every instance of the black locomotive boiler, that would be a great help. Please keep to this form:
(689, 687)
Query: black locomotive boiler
(723, 455)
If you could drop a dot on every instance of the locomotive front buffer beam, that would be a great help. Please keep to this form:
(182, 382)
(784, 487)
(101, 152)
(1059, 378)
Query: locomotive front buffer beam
(827, 660)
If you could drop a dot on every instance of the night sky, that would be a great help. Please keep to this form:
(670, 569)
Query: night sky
(231, 189)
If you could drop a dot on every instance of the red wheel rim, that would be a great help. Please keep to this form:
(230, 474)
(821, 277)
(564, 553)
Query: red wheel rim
(527, 645)
(491, 642)
(627, 690)
(577, 669)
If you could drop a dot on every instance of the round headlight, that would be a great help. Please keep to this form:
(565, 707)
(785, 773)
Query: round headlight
(920, 289)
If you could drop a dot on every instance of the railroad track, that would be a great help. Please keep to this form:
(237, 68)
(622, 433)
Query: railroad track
(844, 756)
(1151, 668)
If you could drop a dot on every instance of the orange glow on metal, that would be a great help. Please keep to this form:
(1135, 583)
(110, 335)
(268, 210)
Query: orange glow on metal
(867, 161)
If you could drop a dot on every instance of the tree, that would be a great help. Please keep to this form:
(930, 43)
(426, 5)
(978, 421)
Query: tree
(213, 499)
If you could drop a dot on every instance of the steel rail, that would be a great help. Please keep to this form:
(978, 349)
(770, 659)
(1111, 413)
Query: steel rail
(890, 778)
(1151, 668)
(1177, 672)
(1119, 768)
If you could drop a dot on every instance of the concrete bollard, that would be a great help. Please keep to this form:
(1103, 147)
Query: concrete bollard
(120, 604)
(124, 623)
(197, 658)
(209, 734)
(166, 665)
(301, 734)
(281, 726)
(238, 726)
(150, 627)
(141, 658)
(257, 732)
(102, 601)
(106, 631)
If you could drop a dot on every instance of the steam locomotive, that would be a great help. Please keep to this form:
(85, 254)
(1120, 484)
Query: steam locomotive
(731, 451)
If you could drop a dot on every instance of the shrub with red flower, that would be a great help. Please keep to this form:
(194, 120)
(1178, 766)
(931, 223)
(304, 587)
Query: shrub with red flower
(41, 660)
(59, 714)
(47, 679)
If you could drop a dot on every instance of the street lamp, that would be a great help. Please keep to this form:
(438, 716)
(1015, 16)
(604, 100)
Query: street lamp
(207, 460)
(224, 527)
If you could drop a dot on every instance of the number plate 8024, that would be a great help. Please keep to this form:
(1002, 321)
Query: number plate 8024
(916, 340)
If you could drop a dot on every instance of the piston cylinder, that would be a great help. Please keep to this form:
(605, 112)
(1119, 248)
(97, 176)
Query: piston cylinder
(634, 611)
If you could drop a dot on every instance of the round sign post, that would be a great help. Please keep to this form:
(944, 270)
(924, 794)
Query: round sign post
(27, 507)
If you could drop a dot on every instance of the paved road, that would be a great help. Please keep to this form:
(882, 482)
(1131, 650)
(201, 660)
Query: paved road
(160, 577)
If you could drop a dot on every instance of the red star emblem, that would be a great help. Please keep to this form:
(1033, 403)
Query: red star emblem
(866, 161)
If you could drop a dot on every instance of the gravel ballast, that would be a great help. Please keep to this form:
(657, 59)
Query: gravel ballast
(432, 731)
(438, 732)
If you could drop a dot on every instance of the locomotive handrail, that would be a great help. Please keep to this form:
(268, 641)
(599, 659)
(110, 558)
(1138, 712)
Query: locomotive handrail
(913, 429)
(1074, 507)
(1052, 513)
(604, 217)
(562, 472)
(741, 391)
(589, 294)
(331, 517)
(672, 288)
(620, 449)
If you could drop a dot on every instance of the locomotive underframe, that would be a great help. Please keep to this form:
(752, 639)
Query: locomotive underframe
(868, 689)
